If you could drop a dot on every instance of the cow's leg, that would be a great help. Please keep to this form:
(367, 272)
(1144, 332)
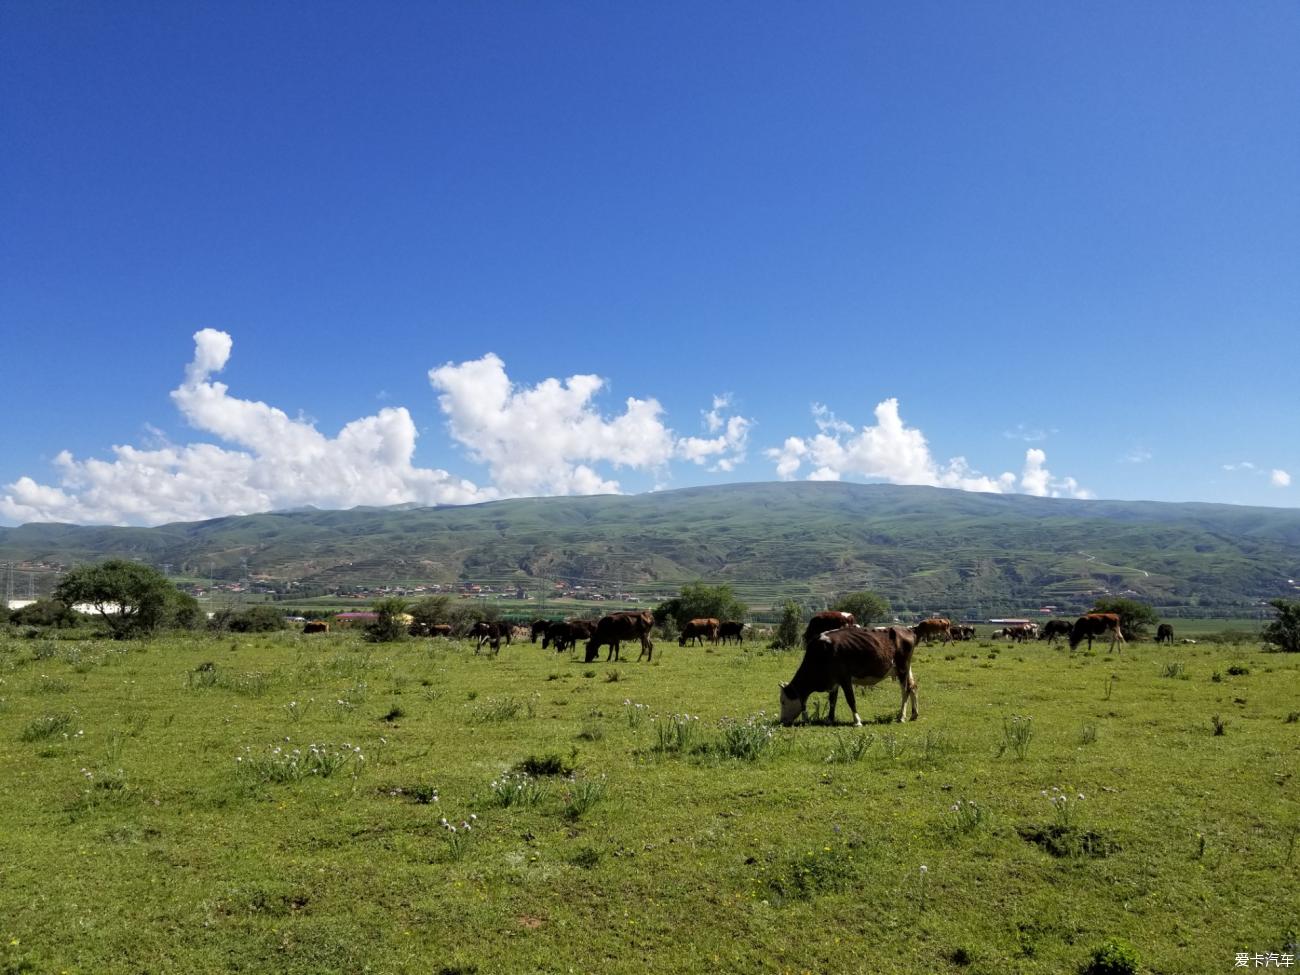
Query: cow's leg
(907, 683)
(851, 701)
(833, 696)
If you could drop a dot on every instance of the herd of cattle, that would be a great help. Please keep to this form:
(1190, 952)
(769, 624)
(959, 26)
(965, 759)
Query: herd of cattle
(837, 652)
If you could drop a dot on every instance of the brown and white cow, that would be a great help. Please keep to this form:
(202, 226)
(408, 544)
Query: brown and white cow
(820, 623)
(1021, 632)
(731, 630)
(698, 630)
(613, 629)
(1095, 625)
(838, 659)
(936, 626)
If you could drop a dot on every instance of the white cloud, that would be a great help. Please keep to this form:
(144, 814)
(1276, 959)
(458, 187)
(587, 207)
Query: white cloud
(1027, 433)
(1279, 478)
(1276, 476)
(283, 462)
(892, 451)
(1137, 455)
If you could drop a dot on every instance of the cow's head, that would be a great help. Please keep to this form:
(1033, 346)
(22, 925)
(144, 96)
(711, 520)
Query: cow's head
(791, 705)
(593, 650)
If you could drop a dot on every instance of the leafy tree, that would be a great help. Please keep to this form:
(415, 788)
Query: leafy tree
(392, 621)
(789, 630)
(429, 612)
(43, 612)
(700, 601)
(257, 619)
(1134, 617)
(868, 608)
(1284, 632)
(131, 598)
(184, 611)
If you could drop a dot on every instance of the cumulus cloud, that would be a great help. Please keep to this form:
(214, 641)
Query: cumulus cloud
(542, 439)
(280, 462)
(892, 451)
(1279, 478)
(1276, 476)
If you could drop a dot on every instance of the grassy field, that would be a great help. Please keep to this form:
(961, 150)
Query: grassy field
(199, 804)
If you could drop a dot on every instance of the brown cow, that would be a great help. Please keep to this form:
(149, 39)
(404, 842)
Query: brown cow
(697, 630)
(821, 623)
(564, 634)
(1021, 632)
(927, 630)
(731, 629)
(1165, 633)
(1094, 625)
(315, 626)
(838, 659)
(617, 627)
(440, 629)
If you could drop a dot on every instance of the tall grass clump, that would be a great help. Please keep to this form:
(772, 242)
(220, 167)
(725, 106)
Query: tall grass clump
(848, 748)
(747, 740)
(516, 789)
(582, 794)
(1017, 733)
(966, 816)
(676, 732)
(281, 764)
(46, 726)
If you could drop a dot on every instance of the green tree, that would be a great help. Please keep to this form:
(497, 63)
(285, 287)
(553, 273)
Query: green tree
(258, 619)
(1284, 632)
(1134, 617)
(790, 629)
(700, 601)
(868, 608)
(391, 624)
(132, 599)
(43, 612)
(429, 612)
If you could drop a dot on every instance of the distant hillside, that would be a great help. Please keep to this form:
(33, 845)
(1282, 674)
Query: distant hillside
(922, 547)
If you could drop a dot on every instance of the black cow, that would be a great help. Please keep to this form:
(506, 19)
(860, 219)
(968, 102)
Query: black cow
(731, 630)
(566, 633)
(1094, 625)
(617, 627)
(1165, 633)
(485, 631)
(838, 659)
(539, 629)
(1054, 628)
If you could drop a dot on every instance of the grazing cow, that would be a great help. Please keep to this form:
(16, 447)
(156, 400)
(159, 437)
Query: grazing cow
(617, 627)
(1094, 625)
(731, 629)
(440, 629)
(1054, 628)
(838, 659)
(962, 632)
(566, 633)
(485, 631)
(315, 626)
(697, 630)
(539, 629)
(927, 630)
(825, 622)
(1021, 632)
(1165, 633)
(997, 634)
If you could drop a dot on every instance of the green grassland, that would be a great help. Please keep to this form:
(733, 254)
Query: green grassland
(147, 823)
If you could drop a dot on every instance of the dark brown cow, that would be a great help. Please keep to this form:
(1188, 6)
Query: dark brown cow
(838, 659)
(567, 633)
(698, 630)
(1055, 628)
(440, 629)
(1165, 633)
(962, 632)
(485, 631)
(1095, 625)
(1021, 632)
(821, 623)
(936, 626)
(617, 627)
(731, 630)
(315, 626)
(539, 629)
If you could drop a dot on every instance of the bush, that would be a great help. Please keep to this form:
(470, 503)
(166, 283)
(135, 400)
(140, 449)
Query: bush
(391, 624)
(257, 619)
(790, 628)
(1134, 617)
(1284, 632)
(1113, 957)
(44, 612)
(700, 601)
(868, 608)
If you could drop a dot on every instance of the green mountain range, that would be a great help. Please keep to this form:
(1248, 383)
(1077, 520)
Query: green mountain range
(922, 547)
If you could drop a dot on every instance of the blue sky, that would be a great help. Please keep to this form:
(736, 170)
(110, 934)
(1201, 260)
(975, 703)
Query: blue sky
(952, 230)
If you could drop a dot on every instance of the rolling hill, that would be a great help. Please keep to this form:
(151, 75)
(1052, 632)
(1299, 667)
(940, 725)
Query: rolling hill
(922, 547)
